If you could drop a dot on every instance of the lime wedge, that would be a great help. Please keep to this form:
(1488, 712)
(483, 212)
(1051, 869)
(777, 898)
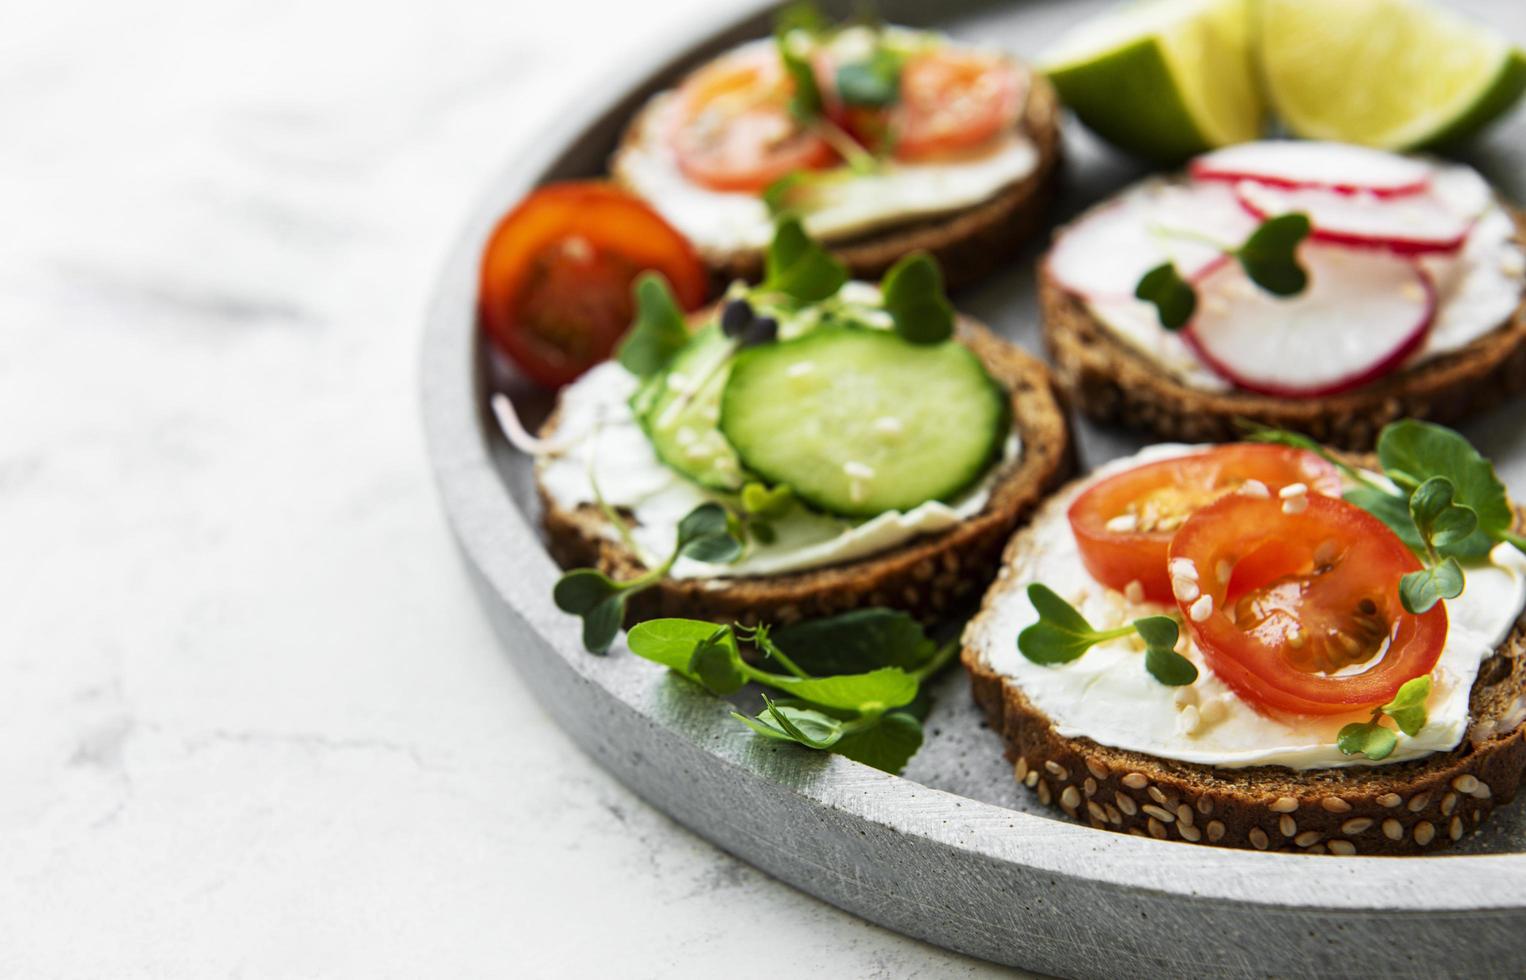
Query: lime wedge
(1162, 78)
(1397, 74)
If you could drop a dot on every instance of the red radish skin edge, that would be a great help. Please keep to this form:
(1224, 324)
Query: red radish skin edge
(1399, 246)
(1201, 171)
(1386, 365)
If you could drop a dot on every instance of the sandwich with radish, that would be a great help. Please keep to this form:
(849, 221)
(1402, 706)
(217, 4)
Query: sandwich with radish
(1320, 287)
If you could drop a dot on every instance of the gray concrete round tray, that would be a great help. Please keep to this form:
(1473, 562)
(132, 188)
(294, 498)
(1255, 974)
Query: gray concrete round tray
(951, 852)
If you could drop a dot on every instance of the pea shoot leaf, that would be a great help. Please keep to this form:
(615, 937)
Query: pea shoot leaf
(706, 534)
(1421, 590)
(886, 746)
(797, 266)
(878, 690)
(856, 642)
(874, 82)
(670, 642)
(1407, 709)
(1412, 452)
(1270, 255)
(805, 102)
(659, 330)
(1061, 634)
(914, 298)
(1366, 738)
(598, 601)
(770, 502)
(1160, 634)
(1173, 297)
(1437, 519)
(717, 664)
(787, 723)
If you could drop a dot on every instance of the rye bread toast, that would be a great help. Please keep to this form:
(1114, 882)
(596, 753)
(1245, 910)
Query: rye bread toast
(927, 577)
(1399, 808)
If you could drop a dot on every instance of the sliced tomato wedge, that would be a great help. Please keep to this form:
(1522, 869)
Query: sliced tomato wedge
(1308, 619)
(732, 128)
(1124, 524)
(555, 292)
(952, 101)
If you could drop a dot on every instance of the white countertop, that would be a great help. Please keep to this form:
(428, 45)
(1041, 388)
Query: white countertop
(252, 722)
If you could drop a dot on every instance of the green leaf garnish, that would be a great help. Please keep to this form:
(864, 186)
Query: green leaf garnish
(874, 82)
(805, 101)
(717, 664)
(670, 642)
(1270, 255)
(1437, 518)
(805, 726)
(705, 534)
(886, 746)
(1172, 296)
(1407, 709)
(1412, 452)
(1421, 590)
(1062, 634)
(876, 691)
(1376, 741)
(1366, 738)
(856, 642)
(798, 267)
(774, 502)
(914, 298)
(659, 330)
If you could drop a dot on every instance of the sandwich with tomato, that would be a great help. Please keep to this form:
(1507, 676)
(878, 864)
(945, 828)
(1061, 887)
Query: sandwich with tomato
(1321, 287)
(808, 445)
(1264, 645)
(884, 140)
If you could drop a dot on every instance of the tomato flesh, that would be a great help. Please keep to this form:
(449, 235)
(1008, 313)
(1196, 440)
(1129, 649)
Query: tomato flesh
(1124, 524)
(1308, 619)
(954, 100)
(555, 289)
(732, 127)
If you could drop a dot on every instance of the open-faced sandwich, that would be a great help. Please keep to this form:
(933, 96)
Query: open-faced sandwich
(884, 139)
(1266, 646)
(809, 445)
(1320, 287)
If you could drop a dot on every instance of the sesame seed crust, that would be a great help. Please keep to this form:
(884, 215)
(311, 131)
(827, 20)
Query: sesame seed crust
(1399, 808)
(926, 577)
(1115, 384)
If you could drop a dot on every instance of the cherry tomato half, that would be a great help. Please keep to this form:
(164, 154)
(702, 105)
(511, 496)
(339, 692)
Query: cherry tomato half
(1308, 619)
(555, 292)
(1124, 524)
(954, 100)
(732, 127)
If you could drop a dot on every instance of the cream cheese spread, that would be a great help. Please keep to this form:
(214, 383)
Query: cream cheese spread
(1107, 695)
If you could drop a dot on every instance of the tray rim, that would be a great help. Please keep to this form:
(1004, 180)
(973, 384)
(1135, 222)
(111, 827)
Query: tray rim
(514, 574)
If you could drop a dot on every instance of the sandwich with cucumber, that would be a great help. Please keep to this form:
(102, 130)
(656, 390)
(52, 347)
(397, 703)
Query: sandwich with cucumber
(808, 445)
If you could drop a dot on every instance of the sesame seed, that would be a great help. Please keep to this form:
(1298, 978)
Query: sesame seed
(1045, 796)
(1185, 589)
(1308, 838)
(1158, 796)
(1255, 488)
(1033, 778)
(1465, 783)
(1356, 825)
(1393, 829)
(1182, 568)
(1335, 804)
(799, 369)
(858, 471)
(1483, 792)
(1089, 787)
(1122, 524)
(1184, 696)
(1184, 814)
(1057, 770)
(1425, 832)
(1215, 830)
(1390, 800)
(1021, 769)
(1295, 505)
(1213, 711)
(1287, 825)
(1448, 804)
(1258, 838)
(1201, 609)
(888, 425)
(1071, 798)
(1113, 816)
(1204, 805)
(1455, 830)
(1096, 768)
(1316, 849)
(1126, 804)
(1342, 847)
(1419, 802)
(1159, 813)
(1189, 832)
(1293, 490)
(1134, 591)
(1187, 720)
(1283, 804)
(1135, 780)
(1097, 813)
(1157, 829)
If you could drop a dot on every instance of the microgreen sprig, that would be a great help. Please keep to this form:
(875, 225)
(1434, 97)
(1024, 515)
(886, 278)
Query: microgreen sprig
(704, 534)
(869, 712)
(1062, 634)
(1269, 257)
(1407, 711)
(1439, 495)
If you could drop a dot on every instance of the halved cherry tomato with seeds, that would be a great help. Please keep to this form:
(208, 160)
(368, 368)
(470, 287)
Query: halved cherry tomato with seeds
(953, 100)
(732, 127)
(555, 293)
(1124, 524)
(1297, 607)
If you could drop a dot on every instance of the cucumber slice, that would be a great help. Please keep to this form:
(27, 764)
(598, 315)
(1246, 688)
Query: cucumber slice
(859, 421)
(680, 421)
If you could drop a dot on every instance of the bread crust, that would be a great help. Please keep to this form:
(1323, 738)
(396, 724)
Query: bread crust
(1114, 383)
(926, 577)
(1404, 808)
(968, 242)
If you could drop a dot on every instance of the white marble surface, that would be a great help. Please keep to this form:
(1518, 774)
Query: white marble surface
(251, 721)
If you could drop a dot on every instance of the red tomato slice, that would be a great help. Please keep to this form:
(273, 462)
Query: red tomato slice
(954, 100)
(555, 292)
(732, 128)
(1124, 524)
(1308, 620)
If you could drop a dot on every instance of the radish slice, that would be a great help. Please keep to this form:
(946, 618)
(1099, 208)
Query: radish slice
(1410, 225)
(1322, 166)
(1106, 252)
(1362, 314)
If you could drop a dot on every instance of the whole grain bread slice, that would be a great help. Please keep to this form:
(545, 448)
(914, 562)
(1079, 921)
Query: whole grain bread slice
(1115, 383)
(1400, 808)
(926, 577)
(968, 242)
